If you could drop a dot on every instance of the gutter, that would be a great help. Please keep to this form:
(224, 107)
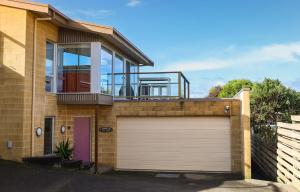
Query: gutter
(33, 80)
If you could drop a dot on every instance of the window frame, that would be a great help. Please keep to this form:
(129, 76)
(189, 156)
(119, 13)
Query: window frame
(108, 50)
(58, 60)
(54, 63)
(52, 133)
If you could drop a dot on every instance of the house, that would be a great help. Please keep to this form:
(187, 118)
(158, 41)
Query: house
(64, 79)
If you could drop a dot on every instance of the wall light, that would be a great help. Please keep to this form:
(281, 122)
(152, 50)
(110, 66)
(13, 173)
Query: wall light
(38, 131)
(63, 129)
(227, 109)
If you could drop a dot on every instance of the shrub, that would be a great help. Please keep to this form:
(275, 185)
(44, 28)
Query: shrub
(64, 150)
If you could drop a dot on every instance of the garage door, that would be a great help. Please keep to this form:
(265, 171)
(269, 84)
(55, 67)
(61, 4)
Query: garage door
(174, 143)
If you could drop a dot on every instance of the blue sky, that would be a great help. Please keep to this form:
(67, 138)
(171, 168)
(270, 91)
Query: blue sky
(211, 41)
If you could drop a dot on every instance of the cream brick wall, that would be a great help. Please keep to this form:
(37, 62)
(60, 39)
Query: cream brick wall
(12, 75)
(16, 61)
(108, 117)
(45, 103)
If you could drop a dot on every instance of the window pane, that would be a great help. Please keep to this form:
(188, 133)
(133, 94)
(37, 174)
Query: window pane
(106, 71)
(119, 78)
(155, 91)
(164, 91)
(49, 66)
(74, 69)
(133, 78)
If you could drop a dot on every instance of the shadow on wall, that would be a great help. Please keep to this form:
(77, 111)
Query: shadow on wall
(11, 47)
(12, 74)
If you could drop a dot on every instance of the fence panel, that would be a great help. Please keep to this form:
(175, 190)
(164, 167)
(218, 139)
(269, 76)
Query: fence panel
(281, 162)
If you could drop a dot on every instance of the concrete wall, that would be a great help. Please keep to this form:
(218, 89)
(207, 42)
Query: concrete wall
(12, 80)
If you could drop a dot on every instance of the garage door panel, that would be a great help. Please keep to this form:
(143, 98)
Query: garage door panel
(163, 141)
(174, 143)
(169, 157)
(174, 166)
(144, 149)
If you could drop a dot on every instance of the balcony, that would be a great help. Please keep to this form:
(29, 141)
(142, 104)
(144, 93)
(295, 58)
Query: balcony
(84, 99)
(89, 73)
(150, 86)
(75, 88)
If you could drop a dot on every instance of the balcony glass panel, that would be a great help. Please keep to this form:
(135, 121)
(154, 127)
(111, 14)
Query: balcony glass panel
(134, 79)
(74, 68)
(106, 71)
(154, 85)
(119, 79)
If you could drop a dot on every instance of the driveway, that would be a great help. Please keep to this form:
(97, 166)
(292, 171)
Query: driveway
(19, 177)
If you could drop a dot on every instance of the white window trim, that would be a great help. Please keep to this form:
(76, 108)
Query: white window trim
(54, 90)
(54, 68)
(113, 74)
(95, 66)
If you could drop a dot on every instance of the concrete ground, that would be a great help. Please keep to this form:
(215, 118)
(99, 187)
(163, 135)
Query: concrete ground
(16, 177)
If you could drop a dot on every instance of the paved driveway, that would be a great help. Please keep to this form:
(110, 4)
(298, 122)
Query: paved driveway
(19, 177)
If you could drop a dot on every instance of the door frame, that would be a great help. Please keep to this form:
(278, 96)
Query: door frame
(52, 133)
(90, 131)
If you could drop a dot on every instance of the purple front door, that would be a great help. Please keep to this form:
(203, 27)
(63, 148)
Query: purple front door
(82, 139)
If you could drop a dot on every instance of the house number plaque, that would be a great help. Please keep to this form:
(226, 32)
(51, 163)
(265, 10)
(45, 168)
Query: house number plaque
(105, 129)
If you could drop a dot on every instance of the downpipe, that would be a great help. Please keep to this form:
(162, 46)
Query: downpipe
(34, 79)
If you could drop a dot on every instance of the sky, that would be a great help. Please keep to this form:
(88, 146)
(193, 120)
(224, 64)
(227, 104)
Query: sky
(211, 41)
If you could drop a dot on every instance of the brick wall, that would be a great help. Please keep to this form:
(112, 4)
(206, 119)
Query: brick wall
(108, 116)
(16, 62)
(12, 75)
(45, 103)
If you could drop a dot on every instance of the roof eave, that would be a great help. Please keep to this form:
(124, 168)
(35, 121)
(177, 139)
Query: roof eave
(59, 17)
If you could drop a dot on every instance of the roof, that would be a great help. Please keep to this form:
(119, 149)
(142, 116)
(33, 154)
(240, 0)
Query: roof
(113, 35)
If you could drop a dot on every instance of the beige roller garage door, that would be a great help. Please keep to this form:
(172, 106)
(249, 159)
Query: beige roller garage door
(173, 143)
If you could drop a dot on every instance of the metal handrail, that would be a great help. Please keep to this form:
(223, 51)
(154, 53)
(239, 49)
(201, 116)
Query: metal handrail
(181, 81)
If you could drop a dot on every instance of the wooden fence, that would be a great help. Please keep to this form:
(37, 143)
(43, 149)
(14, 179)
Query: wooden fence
(281, 161)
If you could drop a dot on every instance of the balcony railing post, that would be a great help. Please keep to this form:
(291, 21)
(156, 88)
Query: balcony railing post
(179, 84)
(188, 90)
(184, 89)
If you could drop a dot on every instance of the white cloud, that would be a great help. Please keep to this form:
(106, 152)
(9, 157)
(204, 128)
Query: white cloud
(283, 53)
(133, 3)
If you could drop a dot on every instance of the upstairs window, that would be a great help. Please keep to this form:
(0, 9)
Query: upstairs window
(106, 71)
(49, 86)
(119, 83)
(74, 68)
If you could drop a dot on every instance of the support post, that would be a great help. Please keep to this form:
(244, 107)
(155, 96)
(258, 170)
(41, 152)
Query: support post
(244, 97)
(179, 85)
(96, 138)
